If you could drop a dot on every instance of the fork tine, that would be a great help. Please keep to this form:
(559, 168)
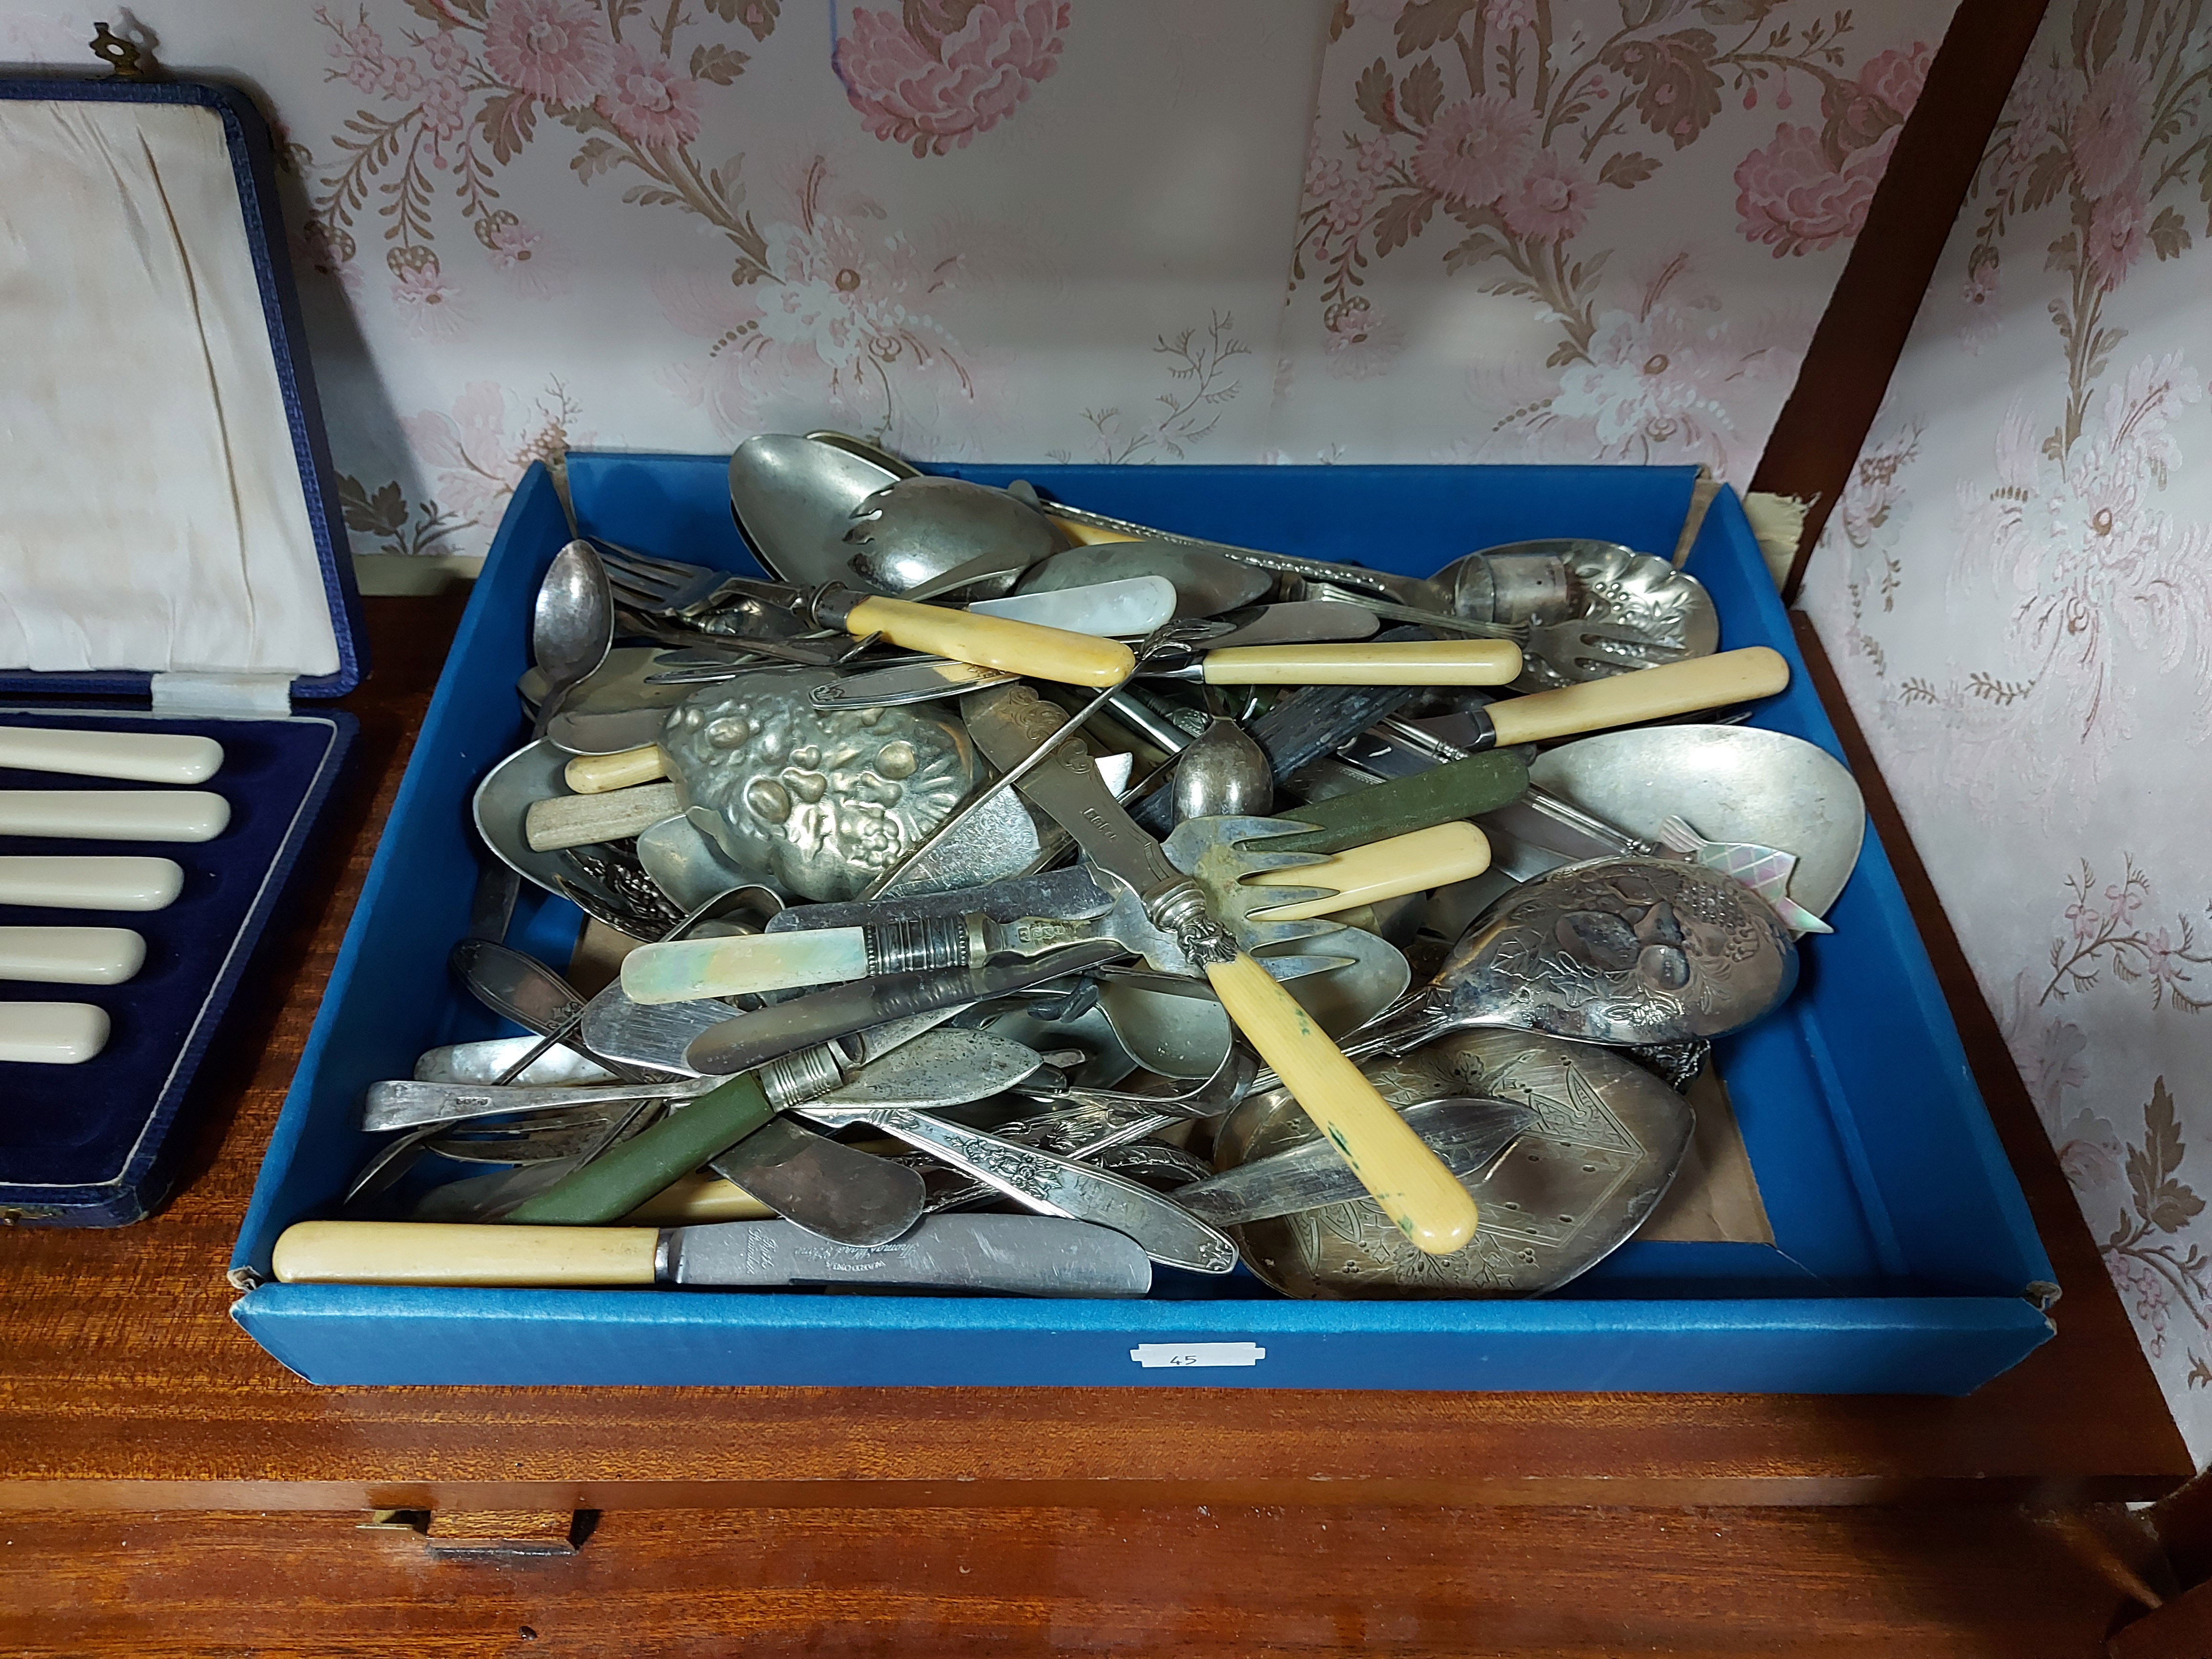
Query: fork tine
(652, 589)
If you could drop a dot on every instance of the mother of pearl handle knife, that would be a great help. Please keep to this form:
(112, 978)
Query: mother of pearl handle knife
(990, 1254)
(140, 756)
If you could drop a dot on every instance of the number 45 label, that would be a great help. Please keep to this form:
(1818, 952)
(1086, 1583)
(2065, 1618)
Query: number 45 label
(1180, 1355)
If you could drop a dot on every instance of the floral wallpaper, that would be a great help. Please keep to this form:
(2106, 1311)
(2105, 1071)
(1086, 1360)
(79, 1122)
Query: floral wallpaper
(1141, 231)
(2017, 588)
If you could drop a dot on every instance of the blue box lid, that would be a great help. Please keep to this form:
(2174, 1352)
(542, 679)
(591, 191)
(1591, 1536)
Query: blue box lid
(246, 140)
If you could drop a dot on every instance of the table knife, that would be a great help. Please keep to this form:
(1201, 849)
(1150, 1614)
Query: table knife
(90, 882)
(986, 1255)
(1413, 1187)
(179, 815)
(140, 756)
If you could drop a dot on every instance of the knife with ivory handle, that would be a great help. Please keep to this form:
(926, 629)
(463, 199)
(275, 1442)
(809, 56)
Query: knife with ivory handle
(139, 756)
(71, 956)
(90, 882)
(178, 815)
(983, 1255)
(1414, 1189)
(52, 1033)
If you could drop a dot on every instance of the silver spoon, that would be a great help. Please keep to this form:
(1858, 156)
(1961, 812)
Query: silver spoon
(793, 499)
(572, 628)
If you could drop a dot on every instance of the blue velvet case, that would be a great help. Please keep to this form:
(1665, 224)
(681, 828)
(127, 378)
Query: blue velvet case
(1904, 1259)
(97, 1144)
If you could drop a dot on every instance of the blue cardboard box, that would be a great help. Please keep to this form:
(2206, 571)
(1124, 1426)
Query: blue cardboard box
(1903, 1261)
(95, 1144)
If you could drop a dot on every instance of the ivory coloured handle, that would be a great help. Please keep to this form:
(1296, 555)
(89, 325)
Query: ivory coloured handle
(696, 1198)
(140, 756)
(594, 775)
(90, 881)
(1423, 1197)
(461, 1253)
(71, 956)
(1017, 647)
(1089, 535)
(1434, 857)
(1648, 693)
(560, 821)
(1410, 662)
(180, 815)
(52, 1033)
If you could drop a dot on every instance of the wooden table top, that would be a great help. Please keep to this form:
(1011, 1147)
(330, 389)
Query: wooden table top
(125, 1385)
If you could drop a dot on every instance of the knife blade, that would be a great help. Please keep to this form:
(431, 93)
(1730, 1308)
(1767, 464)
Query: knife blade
(1413, 1186)
(984, 1255)
(905, 683)
(1466, 1132)
(1129, 607)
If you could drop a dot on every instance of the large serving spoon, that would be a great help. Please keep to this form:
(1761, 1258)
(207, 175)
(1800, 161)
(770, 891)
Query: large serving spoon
(794, 500)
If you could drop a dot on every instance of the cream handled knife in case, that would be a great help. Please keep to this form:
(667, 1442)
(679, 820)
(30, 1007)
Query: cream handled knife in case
(171, 546)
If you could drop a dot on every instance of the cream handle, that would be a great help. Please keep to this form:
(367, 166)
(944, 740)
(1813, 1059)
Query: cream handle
(1411, 662)
(458, 1252)
(90, 881)
(140, 756)
(1089, 535)
(1416, 1191)
(1017, 647)
(699, 1197)
(594, 775)
(560, 821)
(180, 815)
(71, 956)
(52, 1033)
(1648, 693)
(1412, 863)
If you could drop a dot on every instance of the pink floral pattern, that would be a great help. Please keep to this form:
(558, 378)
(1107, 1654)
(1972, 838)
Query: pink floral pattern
(1512, 128)
(1810, 188)
(2019, 582)
(942, 71)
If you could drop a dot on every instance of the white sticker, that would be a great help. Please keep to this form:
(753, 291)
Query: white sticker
(1153, 1355)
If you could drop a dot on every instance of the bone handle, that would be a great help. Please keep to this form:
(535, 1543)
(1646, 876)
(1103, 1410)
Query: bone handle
(140, 756)
(560, 821)
(1416, 1191)
(1413, 863)
(1410, 662)
(1648, 693)
(1018, 648)
(90, 882)
(458, 1252)
(594, 775)
(52, 1033)
(179, 815)
(71, 956)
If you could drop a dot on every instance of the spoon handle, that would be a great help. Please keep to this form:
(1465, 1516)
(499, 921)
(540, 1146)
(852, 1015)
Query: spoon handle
(1019, 647)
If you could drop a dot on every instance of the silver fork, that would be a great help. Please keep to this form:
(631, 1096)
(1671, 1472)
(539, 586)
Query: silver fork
(1567, 644)
(661, 586)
